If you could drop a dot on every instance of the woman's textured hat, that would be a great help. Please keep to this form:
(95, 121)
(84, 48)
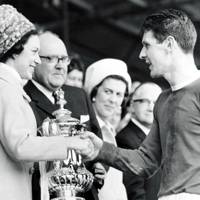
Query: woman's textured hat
(103, 68)
(13, 26)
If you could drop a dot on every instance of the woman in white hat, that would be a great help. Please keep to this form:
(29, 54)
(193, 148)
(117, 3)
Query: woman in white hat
(107, 82)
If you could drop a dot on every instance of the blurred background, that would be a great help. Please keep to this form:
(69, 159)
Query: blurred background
(97, 29)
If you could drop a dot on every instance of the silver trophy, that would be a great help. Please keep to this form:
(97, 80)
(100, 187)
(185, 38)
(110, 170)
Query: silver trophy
(66, 178)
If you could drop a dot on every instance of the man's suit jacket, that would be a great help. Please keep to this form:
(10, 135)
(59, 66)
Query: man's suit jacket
(137, 187)
(77, 102)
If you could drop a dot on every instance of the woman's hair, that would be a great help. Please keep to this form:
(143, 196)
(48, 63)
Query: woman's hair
(117, 77)
(18, 47)
(76, 63)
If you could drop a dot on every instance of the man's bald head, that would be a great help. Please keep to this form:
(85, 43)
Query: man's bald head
(142, 102)
(49, 42)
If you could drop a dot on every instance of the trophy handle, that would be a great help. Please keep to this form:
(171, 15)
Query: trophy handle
(48, 128)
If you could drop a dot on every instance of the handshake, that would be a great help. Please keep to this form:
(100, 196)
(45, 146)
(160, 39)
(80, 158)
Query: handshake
(86, 144)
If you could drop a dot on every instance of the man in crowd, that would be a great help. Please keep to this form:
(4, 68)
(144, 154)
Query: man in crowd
(48, 77)
(141, 104)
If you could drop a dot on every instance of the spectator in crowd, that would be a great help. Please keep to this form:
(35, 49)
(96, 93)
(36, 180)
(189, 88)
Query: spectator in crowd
(107, 82)
(19, 145)
(48, 77)
(169, 38)
(134, 85)
(142, 102)
(75, 72)
(122, 115)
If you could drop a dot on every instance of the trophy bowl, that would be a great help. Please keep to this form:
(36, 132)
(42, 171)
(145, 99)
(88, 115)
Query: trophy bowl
(68, 182)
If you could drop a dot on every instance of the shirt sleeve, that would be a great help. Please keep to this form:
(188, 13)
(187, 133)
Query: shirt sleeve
(142, 161)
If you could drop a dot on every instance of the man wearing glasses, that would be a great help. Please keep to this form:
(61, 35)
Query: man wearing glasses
(48, 77)
(142, 102)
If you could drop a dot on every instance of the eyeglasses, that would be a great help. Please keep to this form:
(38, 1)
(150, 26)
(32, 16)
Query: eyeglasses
(56, 59)
(144, 101)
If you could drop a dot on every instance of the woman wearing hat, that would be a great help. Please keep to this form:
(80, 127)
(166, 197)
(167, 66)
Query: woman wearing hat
(75, 72)
(19, 145)
(107, 82)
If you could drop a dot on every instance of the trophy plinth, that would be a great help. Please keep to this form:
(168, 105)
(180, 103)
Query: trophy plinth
(67, 178)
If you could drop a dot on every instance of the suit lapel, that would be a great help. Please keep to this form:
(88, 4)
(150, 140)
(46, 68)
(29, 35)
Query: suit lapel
(40, 99)
(139, 132)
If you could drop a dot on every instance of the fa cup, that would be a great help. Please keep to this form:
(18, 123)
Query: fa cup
(66, 178)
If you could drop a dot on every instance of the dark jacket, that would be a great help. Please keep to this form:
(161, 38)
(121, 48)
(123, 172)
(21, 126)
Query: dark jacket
(137, 187)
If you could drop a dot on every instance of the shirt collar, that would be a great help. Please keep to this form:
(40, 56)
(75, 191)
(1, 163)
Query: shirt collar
(186, 82)
(45, 91)
(103, 123)
(108, 136)
(141, 126)
(100, 121)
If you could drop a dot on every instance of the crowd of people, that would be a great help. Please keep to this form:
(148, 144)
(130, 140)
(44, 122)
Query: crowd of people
(141, 142)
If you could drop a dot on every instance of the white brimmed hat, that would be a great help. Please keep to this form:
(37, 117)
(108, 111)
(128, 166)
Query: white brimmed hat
(103, 68)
